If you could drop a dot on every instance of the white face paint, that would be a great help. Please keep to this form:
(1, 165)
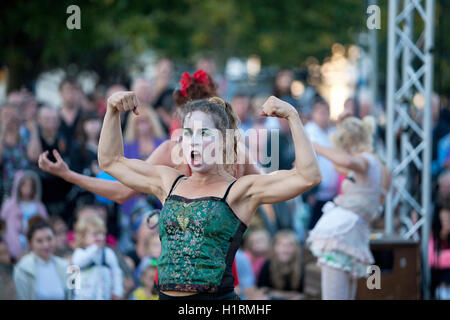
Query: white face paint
(199, 141)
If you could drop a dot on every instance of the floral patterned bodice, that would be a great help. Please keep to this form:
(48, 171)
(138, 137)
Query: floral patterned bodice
(199, 239)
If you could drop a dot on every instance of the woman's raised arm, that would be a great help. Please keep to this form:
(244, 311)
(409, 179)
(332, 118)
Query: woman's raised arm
(134, 173)
(281, 185)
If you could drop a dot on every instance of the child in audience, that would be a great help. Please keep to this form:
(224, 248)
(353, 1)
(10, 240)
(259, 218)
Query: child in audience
(147, 290)
(281, 277)
(91, 210)
(257, 248)
(101, 276)
(24, 203)
(152, 250)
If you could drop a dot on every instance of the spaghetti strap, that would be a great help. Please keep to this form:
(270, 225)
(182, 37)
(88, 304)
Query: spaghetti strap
(174, 184)
(228, 190)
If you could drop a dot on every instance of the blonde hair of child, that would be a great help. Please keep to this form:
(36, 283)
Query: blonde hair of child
(84, 224)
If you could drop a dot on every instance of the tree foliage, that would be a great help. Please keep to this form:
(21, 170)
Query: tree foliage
(34, 36)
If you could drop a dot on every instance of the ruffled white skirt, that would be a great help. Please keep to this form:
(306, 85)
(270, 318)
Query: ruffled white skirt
(341, 239)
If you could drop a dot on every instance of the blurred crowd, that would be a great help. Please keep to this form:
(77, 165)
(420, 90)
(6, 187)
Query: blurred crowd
(47, 222)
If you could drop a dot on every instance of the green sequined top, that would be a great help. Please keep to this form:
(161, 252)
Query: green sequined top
(199, 239)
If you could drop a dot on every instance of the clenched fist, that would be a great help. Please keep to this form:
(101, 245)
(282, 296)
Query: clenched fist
(123, 101)
(274, 107)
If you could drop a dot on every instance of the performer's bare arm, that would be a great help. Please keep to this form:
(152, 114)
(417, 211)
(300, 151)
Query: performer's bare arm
(341, 170)
(343, 159)
(253, 190)
(112, 190)
(134, 173)
(118, 192)
(250, 167)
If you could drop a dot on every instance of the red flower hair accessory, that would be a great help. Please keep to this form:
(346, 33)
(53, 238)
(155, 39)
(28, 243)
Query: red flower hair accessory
(185, 82)
(200, 76)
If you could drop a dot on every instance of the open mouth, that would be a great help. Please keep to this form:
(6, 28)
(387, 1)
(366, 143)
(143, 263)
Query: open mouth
(196, 157)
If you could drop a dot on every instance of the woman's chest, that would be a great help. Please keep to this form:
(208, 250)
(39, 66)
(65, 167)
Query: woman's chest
(204, 218)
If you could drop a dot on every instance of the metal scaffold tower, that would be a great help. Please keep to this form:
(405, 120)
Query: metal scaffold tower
(410, 72)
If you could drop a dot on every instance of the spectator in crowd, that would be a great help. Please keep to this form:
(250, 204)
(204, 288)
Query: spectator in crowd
(26, 105)
(167, 112)
(55, 145)
(85, 101)
(442, 160)
(140, 236)
(247, 289)
(161, 82)
(90, 210)
(143, 89)
(143, 134)
(147, 289)
(365, 108)
(70, 111)
(257, 246)
(88, 133)
(441, 127)
(439, 251)
(151, 251)
(207, 63)
(444, 186)
(318, 130)
(282, 86)
(62, 248)
(7, 287)
(49, 135)
(351, 107)
(128, 268)
(40, 275)
(281, 276)
(241, 106)
(14, 150)
(101, 276)
(2, 228)
(24, 203)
